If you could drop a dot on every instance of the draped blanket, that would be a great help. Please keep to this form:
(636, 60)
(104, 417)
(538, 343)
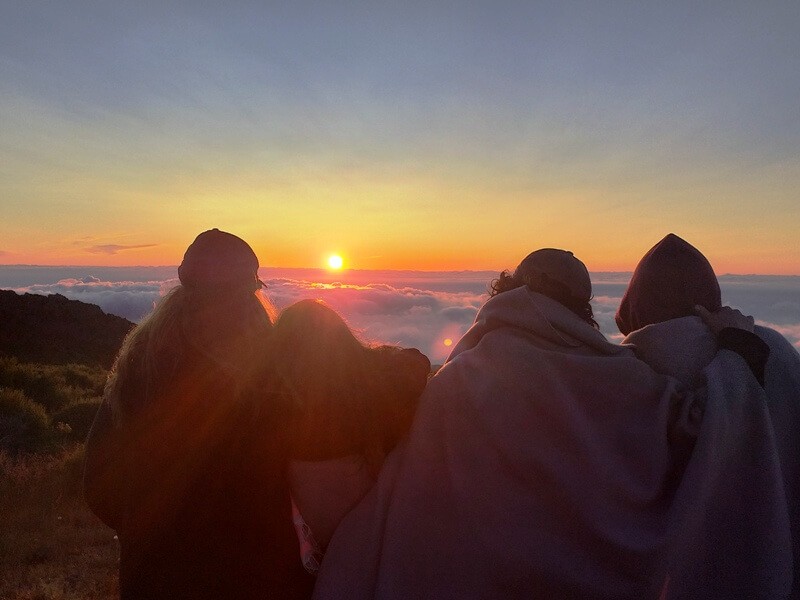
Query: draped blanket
(683, 347)
(546, 462)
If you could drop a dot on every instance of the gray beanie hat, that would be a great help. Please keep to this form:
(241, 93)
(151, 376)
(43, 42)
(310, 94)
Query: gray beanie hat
(560, 266)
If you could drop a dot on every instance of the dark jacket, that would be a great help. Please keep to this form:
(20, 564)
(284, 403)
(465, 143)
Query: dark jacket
(196, 489)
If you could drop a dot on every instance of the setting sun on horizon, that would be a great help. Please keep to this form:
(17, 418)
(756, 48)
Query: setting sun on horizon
(335, 262)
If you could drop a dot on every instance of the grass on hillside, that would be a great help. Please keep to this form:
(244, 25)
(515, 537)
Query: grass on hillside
(44, 407)
(52, 386)
(51, 546)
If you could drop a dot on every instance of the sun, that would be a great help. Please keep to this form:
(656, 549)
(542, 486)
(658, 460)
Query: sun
(335, 262)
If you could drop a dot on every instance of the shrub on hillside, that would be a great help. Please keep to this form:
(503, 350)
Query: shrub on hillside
(24, 424)
(52, 386)
(75, 419)
(92, 379)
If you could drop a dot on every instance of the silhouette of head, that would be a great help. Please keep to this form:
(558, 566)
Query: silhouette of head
(341, 385)
(670, 280)
(560, 266)
(219, 259)
(556, 274)
(215, 325)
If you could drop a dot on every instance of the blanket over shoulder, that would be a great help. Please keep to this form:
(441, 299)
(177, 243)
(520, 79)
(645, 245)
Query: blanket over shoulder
(682, 347)
(541, 463)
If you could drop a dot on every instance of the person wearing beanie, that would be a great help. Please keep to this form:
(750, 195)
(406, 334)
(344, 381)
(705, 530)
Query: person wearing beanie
(659, 317)
(187, 456)
(539, 463)
(556, 274)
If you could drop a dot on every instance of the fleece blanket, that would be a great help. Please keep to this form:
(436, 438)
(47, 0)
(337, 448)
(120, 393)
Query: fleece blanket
(542, 462)
(683, 347)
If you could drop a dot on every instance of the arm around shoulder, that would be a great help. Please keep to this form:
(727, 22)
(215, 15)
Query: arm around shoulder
(404, 373)
(735, 331)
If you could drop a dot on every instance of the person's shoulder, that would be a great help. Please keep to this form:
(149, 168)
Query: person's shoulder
(404, 362)
(776, 341)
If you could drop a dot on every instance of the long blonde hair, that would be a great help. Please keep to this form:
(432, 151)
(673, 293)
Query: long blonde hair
(189, 333)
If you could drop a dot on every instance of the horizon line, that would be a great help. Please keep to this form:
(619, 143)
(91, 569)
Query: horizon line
(344, 271)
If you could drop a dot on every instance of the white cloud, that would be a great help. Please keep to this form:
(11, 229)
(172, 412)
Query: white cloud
(411, 309)
(112, 249)
(604, 308)
(132, 300)
(383, 313)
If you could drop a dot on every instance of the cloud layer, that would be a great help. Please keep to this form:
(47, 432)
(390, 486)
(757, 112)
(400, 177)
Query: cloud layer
(129, 299)
(406, 316)
(412, 309)
(112, 249)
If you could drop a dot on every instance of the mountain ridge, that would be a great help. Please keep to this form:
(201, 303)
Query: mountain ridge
(55, 330)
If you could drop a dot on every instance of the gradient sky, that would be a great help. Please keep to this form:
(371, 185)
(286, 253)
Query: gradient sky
(424, 135)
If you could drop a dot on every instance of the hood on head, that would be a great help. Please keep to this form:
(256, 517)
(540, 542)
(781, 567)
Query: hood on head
(670, 280)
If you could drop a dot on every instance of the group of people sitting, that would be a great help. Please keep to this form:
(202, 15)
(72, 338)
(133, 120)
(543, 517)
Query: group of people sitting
(240, 455)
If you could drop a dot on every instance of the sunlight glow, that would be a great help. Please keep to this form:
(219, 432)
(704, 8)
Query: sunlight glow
(448, 342)
(335, 262)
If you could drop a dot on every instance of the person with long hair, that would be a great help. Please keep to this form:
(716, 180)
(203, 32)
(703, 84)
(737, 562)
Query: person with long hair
(186, 458)
(354, 402)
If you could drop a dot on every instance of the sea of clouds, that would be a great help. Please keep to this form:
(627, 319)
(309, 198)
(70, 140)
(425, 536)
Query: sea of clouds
(425, 310)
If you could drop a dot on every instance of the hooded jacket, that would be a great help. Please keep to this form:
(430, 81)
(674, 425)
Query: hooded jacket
(655, 315)
(670, 280)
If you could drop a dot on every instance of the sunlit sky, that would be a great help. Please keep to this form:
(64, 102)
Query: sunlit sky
(422, 135)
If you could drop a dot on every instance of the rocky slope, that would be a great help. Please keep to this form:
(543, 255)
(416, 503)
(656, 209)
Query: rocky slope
(55, 330)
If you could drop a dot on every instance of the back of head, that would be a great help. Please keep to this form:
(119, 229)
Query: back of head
(559, 266)
(670, 280)
(311, 337)
(555, 273)
(213, 325)
(222, 314)
(316, 355)
(219, 259)
(331, 379)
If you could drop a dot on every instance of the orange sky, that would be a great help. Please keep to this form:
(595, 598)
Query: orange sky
(400, 138)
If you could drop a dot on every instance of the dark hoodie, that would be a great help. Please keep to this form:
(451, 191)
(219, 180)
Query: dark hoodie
(669, 281)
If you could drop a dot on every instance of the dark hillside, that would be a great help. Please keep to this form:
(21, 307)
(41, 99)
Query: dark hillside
(55, 330)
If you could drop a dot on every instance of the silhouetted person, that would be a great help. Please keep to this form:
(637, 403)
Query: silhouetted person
(187, 456)
(658, 317)
(354, 401)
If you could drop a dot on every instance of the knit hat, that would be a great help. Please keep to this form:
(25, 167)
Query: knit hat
(670, 280)
(560, 266)
(219, 259)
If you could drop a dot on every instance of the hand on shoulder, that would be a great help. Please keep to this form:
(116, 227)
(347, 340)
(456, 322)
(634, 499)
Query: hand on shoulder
(725, 317)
